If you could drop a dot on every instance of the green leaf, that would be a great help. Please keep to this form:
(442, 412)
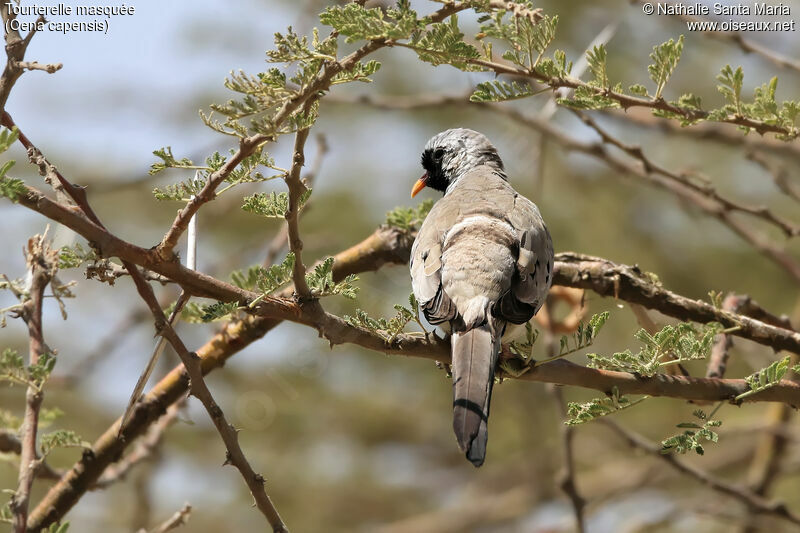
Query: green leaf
(588, 97)
(48, 416)
(671, 345)
(731, 82)
(358, 23)
(321, 283)
(195, 313)
(275, 276)
(272, 205)
(168, 161)
(247, 280)
(766, 377)
(58, 527)
(387, 329)
(665, 58)
(596, 58)
(12, 188)
(7, 138)
(408, 218)
(638, 90)
(218, 311)
(75, 256)
(62, 439)
(180, 192)
(40, 372)
(579, 413)
(443, 43)
(12, 367)
(499, 91)
(691, 439)
(360, 72)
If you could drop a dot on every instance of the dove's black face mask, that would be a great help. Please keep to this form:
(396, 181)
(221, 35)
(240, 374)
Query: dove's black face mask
(452, 154)
(434, 175)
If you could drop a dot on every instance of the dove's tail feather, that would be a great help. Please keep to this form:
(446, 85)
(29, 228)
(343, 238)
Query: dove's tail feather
(474, 357)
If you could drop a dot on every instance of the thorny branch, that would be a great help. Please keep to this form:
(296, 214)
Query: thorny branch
(753, 501)
(41, 261)
(175, 521)
(789, 228)
(296, 190)
(719, 210)
(190, 361)
(718, 360)
(248, 145)
(388, 246)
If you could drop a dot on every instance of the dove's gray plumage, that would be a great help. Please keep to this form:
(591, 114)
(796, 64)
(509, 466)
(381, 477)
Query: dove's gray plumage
(482, 258)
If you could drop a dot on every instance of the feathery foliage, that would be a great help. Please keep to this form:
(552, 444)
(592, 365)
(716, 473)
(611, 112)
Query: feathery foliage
(409, 218)
(693, 436)
(443, 44)
(671, 345)
(75, 256)
(11, 188)
(14, 370)
(766, 377)
(269, 279)
(522, 350)
(500, 91)
(584, 335)
(245, 172)
(62, 439)
(272, 205)
(390, 328)
(196, 313)
(665, 58)
(320, 281)
(359, 23)
(580, 413)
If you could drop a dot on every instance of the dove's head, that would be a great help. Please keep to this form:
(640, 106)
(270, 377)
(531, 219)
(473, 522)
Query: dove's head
(451, 154)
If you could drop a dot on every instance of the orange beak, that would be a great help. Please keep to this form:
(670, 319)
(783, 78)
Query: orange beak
(419, 185)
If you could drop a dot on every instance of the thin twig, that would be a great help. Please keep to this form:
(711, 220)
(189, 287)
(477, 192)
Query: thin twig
(789, 228)
(296, 189)
(390, 246)
(145, 448)
(248, 145)
(777, 172)
(175, 521)
(50, 68)
(598, 150)
(708, 132)
(567, 475)
(10, 443)
(718, 360)
(190, 361)
(41, 261)
(281, 239)
(754, 501)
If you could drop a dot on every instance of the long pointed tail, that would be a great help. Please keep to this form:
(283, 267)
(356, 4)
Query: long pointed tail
(474, 357)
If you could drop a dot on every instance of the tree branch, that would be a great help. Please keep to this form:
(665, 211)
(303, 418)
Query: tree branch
(753, 501)
(296, 189)
(391, 246)
(248, 145)
(41, 262)
(598, 150)
(175, 521)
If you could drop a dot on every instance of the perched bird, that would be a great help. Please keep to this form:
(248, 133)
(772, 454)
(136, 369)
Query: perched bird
(483, 258)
